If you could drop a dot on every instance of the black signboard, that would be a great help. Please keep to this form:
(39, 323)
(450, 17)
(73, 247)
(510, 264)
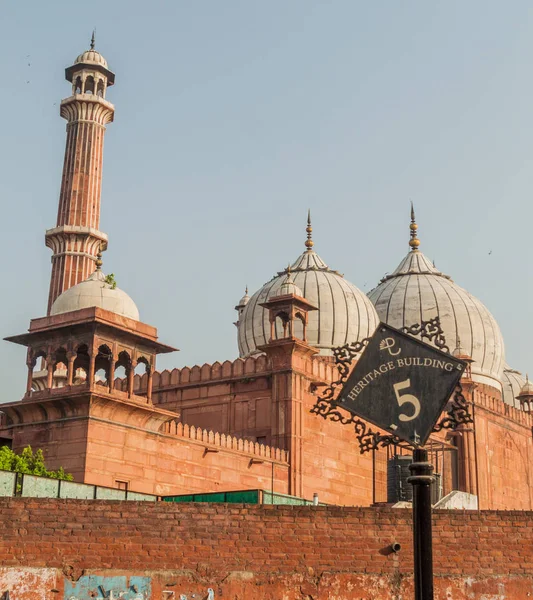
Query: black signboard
(401, 384)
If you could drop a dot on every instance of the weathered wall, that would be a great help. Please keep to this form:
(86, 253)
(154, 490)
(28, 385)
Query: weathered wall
(504, 440)
(182, 461)
(69, 548)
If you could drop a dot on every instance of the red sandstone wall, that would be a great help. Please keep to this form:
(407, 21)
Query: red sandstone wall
(256, 552)
(333, 465)
(504, 440)
(182, 463)
(62, 442)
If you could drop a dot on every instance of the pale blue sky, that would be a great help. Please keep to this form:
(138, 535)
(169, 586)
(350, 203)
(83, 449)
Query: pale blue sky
(234, 117)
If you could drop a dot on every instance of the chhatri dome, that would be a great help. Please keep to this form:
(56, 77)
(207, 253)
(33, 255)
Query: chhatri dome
(344, 314)
(418, 291)
(91, 57)
(95, 291)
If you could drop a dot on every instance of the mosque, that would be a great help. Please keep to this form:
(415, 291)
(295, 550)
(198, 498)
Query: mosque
(96, 404)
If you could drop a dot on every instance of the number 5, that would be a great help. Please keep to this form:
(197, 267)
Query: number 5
(406, 399)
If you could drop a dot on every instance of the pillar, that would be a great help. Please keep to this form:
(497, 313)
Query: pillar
(70, 367)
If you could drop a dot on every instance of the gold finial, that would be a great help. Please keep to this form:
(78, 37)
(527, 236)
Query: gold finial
(99, 261)
(309, 242)
(414, 242)
(92, 39)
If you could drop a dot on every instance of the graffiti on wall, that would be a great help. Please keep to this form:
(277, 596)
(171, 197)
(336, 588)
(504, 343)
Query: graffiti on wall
(95, 587)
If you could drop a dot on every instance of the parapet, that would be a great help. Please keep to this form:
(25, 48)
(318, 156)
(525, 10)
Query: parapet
(229, 442)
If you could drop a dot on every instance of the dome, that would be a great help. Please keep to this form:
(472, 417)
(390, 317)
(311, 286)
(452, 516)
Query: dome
(344, 314)
(512, 383)
(287, 287)
(94, 291)
(91, 57)
(417, 291)
(243, 301)
(527, 388)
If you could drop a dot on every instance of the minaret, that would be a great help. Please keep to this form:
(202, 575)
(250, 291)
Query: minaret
(76, 239)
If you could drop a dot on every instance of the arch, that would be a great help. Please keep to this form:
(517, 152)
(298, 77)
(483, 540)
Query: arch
(81, 365)
(37, 359)
(281, 329)
(298, 327)
(102, 365)
(59, 362)
(89, 85)
(101, 88)
(36, 370)
(77, 85)
(123, 368)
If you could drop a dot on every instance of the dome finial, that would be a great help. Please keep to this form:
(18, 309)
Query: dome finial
(309, 242)
(414, 242)
(92, 39)
(99, 261)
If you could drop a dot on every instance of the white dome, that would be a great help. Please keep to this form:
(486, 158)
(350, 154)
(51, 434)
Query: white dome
(418, 291)
(91, 57)
(513, 383)
(287, 287)
(344, 312)
(94, 291)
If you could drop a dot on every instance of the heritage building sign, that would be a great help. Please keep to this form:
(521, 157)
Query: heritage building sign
(401, 384)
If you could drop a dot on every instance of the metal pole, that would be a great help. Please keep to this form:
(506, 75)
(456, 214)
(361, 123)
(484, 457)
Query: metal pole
(421, 479)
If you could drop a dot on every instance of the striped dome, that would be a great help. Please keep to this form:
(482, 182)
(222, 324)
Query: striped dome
(417, 291)
(344, 312)
(513, 382)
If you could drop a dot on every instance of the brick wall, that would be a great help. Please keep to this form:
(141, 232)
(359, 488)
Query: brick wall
(261, 552)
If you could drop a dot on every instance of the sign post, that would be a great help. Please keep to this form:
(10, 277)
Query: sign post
(421, 479)
(402, 386)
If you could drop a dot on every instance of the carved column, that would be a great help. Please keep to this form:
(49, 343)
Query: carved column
(92, 362)
(111, 381)
(29, 382)
(130, 375)
(50, 368)
(70, 367)
(149, 372)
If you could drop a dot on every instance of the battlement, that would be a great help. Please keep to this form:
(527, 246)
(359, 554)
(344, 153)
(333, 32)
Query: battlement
(228, 442)
(506, 410)
(319, 367)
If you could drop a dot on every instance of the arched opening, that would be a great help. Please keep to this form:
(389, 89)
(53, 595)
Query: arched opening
(298, 326)
(77, 85)
(39, 372)
(89, 85)
(102, 365)
(81, 365)
(282, 325)
(60, 362)
(123, 368)
(141, 368)
(101, 88)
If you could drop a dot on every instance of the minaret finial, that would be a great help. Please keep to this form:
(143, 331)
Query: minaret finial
(99, 261)
(309, 242)
(414, 242)
(92, 39)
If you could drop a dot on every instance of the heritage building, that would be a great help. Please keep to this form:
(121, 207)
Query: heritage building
(244, 423)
